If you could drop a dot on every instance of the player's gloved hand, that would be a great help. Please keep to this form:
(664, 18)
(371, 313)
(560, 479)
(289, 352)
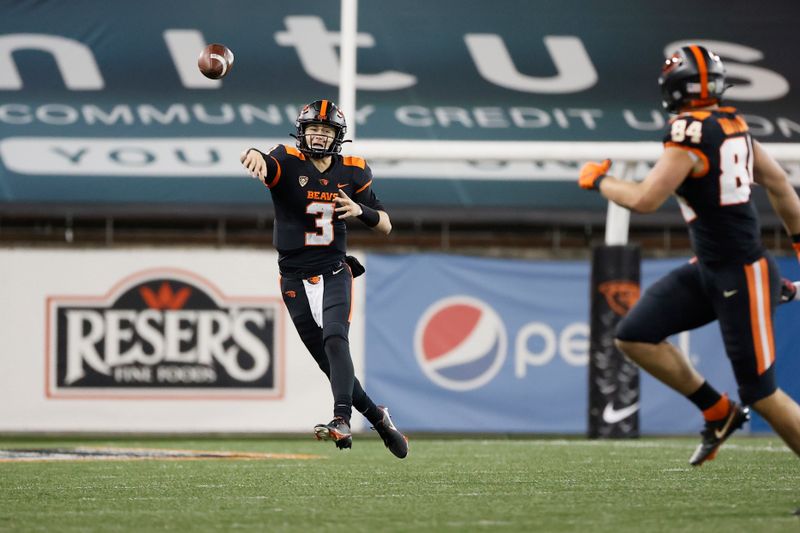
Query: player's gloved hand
(788, 290)
(593, 173)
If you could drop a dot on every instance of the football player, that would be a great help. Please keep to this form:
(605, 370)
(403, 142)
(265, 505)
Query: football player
(314, 190)
(710, 162)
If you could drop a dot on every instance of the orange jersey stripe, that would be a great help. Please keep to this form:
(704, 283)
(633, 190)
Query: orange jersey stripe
(700, 115)
(700, 155)
(364, 187)
(277, 177)
(767, 312)
(703, 68)
(291, 150)
(751, 294)
(353, 161)
(760, 319)
(732, 126)
(323, 111)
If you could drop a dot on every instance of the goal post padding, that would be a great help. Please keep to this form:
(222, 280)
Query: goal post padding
(613, 379)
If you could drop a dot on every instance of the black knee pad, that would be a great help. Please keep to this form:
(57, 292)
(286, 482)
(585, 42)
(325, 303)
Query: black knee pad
(334, 329)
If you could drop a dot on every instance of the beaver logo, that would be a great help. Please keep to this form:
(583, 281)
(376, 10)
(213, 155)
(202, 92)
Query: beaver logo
(621, 295)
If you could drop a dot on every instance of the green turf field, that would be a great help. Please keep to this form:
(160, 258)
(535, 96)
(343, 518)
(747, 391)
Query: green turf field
(444, 485)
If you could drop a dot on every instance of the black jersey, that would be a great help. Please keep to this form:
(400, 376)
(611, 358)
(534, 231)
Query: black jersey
(308, 235)
(715, 200)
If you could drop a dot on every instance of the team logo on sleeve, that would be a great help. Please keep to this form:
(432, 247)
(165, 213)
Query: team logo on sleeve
(460, 343)
(163, 333)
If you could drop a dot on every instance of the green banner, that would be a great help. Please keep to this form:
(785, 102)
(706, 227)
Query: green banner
(103, 102)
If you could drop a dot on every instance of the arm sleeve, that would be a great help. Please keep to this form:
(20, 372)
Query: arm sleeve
(274, 158)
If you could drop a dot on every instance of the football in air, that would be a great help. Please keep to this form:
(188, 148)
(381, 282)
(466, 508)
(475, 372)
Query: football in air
(215, 61)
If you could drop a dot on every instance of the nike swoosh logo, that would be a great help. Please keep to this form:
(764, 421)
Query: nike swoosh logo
(337, 271)
(719, 433)
(612, 416)
(728, 294)
(341, 185)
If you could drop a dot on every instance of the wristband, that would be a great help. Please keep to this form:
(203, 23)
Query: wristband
(369, 216)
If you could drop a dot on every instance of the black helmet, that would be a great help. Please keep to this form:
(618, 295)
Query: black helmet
(692, 77)
(320, 112)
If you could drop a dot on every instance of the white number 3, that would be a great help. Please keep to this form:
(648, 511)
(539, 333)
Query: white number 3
(679, 131)
(324, 221)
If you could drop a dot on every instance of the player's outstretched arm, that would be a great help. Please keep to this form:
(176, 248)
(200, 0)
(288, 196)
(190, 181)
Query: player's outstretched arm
(374, 218)
(781, 194)
(254, 162)
(645, 197)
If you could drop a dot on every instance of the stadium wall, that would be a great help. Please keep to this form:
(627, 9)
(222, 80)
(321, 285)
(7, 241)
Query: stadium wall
(197, 340)
(154, 340)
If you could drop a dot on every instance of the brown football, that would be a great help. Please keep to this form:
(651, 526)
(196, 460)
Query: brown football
(215, 61)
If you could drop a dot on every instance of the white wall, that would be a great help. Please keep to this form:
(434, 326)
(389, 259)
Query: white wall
(34, 282)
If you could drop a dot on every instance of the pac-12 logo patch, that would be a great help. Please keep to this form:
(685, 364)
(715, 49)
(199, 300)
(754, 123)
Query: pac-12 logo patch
(460, 343)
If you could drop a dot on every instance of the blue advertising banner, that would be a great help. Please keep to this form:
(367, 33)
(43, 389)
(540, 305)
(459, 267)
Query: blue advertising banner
(464, 344)
(103, 102)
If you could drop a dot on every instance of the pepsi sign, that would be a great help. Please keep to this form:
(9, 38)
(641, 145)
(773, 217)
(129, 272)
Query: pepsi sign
(460, 343)
(495, 345)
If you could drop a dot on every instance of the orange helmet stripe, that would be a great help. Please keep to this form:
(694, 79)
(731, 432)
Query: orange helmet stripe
(323, 112)
(703, 68)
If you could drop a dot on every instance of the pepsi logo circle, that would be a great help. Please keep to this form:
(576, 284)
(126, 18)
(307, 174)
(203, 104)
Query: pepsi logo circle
(460, 343)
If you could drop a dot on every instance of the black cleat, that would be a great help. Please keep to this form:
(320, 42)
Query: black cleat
(392, 438)
(717, 432)
(336, 430)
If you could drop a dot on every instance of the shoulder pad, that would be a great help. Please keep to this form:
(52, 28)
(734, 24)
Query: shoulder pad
(291, 150)
(696, 115)
(352, 161)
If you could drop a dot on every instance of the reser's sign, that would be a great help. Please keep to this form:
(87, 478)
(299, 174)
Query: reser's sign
(165, 334)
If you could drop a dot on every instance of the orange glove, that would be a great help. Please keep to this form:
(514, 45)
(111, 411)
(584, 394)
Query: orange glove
(593, 173)
(796, 245)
